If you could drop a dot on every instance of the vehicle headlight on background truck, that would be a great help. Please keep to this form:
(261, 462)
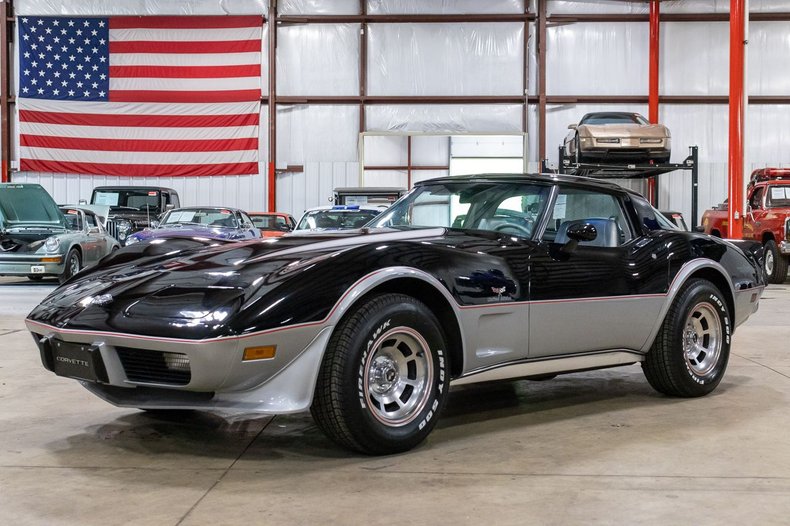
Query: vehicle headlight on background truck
(123, 229)
(52, 244)
(131, 241)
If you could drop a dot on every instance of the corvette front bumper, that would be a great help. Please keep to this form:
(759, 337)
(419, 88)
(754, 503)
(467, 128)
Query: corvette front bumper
(169, 373)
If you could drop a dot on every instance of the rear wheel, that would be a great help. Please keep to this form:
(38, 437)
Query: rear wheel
(691, 351)
(71, 267)
(774, 263)
(384, 378)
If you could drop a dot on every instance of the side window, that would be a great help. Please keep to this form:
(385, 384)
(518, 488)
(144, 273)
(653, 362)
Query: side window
(757, 199)
(603, 211)
(245, 219)
(90, 220)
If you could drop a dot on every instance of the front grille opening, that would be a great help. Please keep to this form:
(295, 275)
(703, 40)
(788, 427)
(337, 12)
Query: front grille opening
(157, 367)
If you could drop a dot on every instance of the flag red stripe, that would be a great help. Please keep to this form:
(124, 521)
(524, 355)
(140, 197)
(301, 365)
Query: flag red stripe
(243, 95)
(185, 72)
(148, 121)
(139, 170)
(138, 145)
(184, 22)
(222, 46)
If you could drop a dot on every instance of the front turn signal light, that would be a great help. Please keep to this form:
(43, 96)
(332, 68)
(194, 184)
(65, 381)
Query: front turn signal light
(265, 352)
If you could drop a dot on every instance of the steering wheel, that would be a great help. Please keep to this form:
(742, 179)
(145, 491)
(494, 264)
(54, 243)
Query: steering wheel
(520, 230)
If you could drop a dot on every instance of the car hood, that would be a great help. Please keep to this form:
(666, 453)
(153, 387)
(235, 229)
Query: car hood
(623, 130)
(199, 292)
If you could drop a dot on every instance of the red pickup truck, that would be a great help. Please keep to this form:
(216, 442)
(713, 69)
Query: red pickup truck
(767, 219)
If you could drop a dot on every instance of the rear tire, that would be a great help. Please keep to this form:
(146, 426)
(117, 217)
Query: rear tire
(385, 376)
(774, 263)
(691, 351)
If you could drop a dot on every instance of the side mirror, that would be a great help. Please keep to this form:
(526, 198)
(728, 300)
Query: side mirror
(154, 224)
(699, 228)
(572, 126)
(94, 230)
(582, 232)
(169, 206)
(246, 226)
(82, 202)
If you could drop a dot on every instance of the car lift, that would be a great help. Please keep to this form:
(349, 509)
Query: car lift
(633, 171)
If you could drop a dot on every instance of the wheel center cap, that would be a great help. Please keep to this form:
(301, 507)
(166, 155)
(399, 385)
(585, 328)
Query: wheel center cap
(383, 375)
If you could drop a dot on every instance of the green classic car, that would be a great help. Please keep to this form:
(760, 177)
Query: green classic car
(39, 239)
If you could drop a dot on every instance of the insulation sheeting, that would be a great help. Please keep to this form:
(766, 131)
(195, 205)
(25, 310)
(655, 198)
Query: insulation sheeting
(318, 59)
(444, 7)
(446, 59)
(684, 73)
(316, 133)
(318, 7)
(140, 7)
(597, 59)
(444, 118)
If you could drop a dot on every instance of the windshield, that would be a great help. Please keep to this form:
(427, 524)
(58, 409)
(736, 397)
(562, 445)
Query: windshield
(134, 199)
(269, 222)
(613, 118)
(336, 219)
(511, 208)
(28, 204)
(778, 197)
(214, 217)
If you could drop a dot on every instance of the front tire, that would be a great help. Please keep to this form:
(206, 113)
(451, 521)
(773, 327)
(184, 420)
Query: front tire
(384, 379)
(774, 263)
(71, 267)
(690, 353)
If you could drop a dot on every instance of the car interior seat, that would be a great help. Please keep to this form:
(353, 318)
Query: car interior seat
(608, 235)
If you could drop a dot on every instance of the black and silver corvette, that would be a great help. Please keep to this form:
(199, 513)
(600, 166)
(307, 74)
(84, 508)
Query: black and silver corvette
(465, 279)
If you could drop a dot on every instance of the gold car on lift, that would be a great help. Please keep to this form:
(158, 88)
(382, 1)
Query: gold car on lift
(616, 137)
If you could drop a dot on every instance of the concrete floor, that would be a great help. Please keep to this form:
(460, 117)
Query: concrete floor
(591, 448)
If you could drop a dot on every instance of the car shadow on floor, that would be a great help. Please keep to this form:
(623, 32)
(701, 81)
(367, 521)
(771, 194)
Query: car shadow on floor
(472, 413)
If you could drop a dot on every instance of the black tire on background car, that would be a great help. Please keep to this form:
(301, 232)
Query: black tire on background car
(774, 263)
(692, 348)
(35, 277)
(577, 146)
(385, 376)
(71, 266)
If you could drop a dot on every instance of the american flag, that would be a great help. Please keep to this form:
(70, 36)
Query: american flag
(140, 96)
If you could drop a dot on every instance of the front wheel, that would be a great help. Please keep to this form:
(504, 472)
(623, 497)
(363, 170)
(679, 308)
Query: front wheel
(691, 351)
(71, 267)
(774, 263)
(384, 379)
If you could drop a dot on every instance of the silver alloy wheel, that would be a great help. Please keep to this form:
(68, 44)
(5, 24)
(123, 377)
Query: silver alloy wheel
(398, 376)
(73, 264)
(769, 263)
(702, 339)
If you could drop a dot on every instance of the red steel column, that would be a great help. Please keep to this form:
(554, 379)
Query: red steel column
(735, 159)
(652, 99)
(272, 176)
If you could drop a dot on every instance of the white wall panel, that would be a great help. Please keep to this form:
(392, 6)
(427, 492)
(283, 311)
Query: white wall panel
(769, 57)
(446, 59)
(298, 191)
(318, 7)
(318, 59)
(413, 7)
(685, 73)
(444, 118)
(597, 59)
(386, 150)
(430, 150)
(140, 7)
(386, 178)
(316, 133)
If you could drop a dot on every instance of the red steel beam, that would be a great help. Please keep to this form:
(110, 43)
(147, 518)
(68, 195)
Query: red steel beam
(652, 97)
(735, 159)
(271, 175)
